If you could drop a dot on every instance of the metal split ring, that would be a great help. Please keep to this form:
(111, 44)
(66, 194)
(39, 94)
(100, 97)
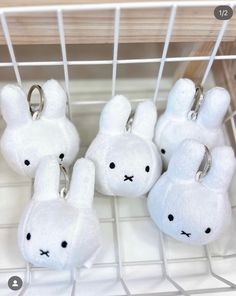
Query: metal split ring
(205, 165)
(130, 121)
(36, 113)
(197, 102)
(65, 188)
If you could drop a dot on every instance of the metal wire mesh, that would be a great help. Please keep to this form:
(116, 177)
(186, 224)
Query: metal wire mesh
(116, 219)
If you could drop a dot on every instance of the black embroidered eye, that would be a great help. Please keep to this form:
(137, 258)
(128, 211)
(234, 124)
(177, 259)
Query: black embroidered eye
(64, 244)
(163, 151)
(147, 168)
(28, 236)
(171, 217)
(208, 230)
(27, 162)
(112, 165)
(61, 156)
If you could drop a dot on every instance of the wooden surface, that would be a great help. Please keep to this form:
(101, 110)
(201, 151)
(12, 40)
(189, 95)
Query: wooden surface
(194, 70)
(137, 25)
(225, 71)
(11, 3)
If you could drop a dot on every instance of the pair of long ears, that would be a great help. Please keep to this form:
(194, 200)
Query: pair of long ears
(214, 107)
(47, 182)
(188, 157)
(116, 113)
(15, 108)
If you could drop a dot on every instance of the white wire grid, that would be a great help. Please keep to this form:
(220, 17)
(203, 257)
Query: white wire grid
(116, 220)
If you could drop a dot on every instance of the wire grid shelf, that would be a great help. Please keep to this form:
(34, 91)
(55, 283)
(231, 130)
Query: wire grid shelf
(120, 264)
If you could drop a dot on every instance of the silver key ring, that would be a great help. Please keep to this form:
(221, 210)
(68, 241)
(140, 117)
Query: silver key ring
(130, 121)
(65, 189)
(206, 163)
(197, 102)
(36, 113)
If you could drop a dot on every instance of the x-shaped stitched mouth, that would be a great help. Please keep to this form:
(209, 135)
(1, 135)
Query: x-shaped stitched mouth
(128, 178)
(185, 233)
(44, 253)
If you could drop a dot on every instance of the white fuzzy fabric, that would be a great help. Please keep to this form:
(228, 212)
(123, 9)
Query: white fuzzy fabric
(130, 151)
(31, 140)
(174, 126)
(194, 205)
(51, 219)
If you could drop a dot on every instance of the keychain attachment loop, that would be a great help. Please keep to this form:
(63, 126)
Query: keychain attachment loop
(130, 121)
(36, 113)
(197, 102)
(65, 188)
(205, 165)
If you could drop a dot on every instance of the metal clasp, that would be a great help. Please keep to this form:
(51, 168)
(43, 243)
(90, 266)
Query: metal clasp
(205, 165)
(130, 121)
(65, 188)
(36, 113)
(198, 99)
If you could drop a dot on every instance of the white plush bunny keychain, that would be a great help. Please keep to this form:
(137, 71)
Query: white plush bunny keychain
(26, 139)
(127, 161)
(57, 232)
(183, 119)
(191, 206)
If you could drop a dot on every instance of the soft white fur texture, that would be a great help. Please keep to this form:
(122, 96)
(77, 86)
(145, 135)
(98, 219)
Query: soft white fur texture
(131, 151)
(28, 139)
(194, 205)
(51, 219)
(174, 126)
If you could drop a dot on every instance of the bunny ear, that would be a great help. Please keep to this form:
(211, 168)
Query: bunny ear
(180, 98)
(145, 120)
(81, 191)
(222, 169)
(115, 115)
(186, 160)
(47, 179)
(214, 107)
(55, 100)
(14, 106)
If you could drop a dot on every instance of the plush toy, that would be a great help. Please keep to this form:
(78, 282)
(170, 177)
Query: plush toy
(57, 232)
(26, 141)
(177, 124)
(126, 160)
(192, 210)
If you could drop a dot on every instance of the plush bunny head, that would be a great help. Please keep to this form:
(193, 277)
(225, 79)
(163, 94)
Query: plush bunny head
(127, 162)
(192, 211)
(57, 232)
(26, 141)
(175, 125)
